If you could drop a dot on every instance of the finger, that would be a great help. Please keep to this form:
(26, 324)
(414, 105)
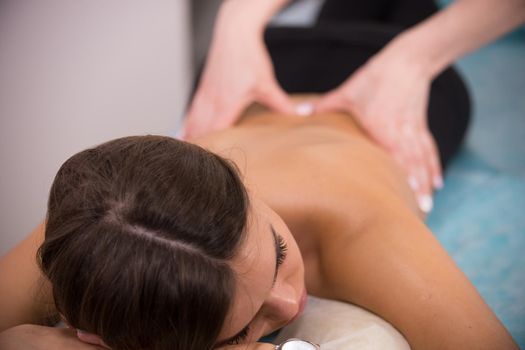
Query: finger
(205, 117)
(424, 195)
(421, 169)
(418, 169)
(414, 179)
(304, 109)
(275, 98)
(417, 180)
(434, 160)
(402, 158)
(195, 120)
(332, 101)
(193, 127)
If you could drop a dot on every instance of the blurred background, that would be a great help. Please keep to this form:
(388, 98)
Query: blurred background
(76, 73)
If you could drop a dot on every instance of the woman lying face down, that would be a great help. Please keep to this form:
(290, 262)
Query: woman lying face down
(155, 243)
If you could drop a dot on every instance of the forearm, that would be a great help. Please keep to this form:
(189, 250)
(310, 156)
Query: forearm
(464, 26)
(33, 337)
(249, 13)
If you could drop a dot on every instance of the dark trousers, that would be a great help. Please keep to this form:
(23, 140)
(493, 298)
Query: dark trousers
(346, 35)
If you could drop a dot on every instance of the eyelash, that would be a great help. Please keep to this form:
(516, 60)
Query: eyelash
(281, 254)
(240, 337)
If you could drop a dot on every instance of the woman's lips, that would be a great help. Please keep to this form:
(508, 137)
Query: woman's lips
(302, 305)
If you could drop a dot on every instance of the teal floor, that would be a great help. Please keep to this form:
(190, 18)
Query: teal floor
(479, 217)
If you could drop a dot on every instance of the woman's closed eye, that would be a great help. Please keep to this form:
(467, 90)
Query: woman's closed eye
(281, 251)
(240, 337)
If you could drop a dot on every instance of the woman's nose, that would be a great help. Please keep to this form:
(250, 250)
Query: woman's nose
(282, 305)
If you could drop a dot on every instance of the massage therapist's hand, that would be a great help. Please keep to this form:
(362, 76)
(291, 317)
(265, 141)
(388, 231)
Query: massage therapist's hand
(238, 72)
(388, 96)
(32, 337)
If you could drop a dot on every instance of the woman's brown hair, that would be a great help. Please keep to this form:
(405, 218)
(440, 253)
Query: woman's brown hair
(139, 233)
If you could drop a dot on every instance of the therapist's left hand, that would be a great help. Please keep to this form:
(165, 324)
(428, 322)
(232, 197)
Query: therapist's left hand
(238, 72)
(389, 97)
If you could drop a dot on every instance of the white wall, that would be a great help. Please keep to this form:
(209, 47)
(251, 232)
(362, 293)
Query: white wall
(77, 73)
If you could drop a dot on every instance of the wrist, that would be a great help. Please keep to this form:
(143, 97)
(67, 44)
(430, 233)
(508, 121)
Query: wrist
(403, 54)
(419, 52)
(251, 15)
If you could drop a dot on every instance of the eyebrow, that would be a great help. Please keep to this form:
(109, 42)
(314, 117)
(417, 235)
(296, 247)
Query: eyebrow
(277, 252)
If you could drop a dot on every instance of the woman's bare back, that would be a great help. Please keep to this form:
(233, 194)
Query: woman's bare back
(358, 226)
(315, 172)
(322, 161)
(356, 223)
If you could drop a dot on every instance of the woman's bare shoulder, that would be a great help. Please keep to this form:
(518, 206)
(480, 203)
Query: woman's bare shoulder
(25, 295)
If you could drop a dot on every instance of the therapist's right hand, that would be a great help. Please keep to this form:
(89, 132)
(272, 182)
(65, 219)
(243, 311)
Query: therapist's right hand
(238, 72)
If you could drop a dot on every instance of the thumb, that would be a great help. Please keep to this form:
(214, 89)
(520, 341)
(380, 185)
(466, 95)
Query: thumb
(199, 117)
(189, 126)
(332, 101)
(275, 98)
(210, 120)
(194, 124)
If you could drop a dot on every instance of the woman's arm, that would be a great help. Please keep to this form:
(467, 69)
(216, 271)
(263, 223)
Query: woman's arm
(389, 94)
(34, 337)
(238, 69)
(462, 27)
(397, 269)
(255, 12)
(25, 296)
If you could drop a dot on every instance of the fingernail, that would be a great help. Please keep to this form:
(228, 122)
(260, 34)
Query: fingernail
(413, 183)
(304, 109)
(425, 203)
(438, 182)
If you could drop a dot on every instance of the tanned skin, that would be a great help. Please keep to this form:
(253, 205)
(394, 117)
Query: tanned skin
(356, 221)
